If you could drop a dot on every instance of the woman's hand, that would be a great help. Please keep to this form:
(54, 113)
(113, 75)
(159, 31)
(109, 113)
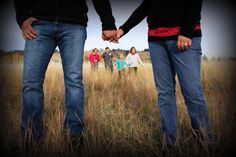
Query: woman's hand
(184, 43)
(120, 33)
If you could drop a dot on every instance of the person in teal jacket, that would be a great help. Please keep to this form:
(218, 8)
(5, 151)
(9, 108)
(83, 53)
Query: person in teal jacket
(120, 64)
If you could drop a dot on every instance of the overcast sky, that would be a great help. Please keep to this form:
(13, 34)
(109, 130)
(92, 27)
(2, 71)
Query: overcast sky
(218, 28)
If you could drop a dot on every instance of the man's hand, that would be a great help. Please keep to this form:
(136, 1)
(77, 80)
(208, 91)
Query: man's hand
(27, 30)
(120, 33)
(184, 43)
(110, 35)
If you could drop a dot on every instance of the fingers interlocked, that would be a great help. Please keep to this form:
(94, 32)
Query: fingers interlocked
(110, 35)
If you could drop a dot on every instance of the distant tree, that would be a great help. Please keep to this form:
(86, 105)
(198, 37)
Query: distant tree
(2, 51)
(204, 58)
(232, 58)
(213, 58)
(221, 58)
(15, 51)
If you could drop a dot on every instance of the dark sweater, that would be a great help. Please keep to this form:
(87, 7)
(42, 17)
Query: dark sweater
(69, 11)
(167, 18)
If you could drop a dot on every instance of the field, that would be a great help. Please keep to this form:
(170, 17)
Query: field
(121, 116)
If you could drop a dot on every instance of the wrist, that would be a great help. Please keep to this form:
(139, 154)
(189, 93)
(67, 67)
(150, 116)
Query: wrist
(124, 30)
(107, 27)
(121, 32)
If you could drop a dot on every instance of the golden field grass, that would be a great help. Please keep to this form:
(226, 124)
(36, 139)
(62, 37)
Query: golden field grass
(121, 116)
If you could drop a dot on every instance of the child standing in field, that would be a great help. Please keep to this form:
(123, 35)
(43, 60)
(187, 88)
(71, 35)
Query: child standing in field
(94, 59)
(133, 60)
(120, 64)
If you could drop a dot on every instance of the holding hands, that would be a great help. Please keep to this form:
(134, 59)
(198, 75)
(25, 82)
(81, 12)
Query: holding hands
(112, 35)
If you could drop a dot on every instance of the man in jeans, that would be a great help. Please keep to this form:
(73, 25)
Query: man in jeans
(174, 38)
(46, 25)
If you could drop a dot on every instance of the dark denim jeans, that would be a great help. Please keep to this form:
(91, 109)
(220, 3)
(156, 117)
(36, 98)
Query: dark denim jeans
(70, 38)
(168, 61)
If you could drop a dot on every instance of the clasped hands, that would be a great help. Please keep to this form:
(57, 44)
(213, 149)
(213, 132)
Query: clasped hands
(112, 35)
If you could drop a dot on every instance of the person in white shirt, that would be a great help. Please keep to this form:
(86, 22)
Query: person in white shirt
(133, 61)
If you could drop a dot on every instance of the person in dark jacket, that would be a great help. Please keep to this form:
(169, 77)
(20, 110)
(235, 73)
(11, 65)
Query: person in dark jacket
(107, 57)
(46, 24)
(174, 38)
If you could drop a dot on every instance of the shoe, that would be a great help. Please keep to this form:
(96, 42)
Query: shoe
(29, 143)
(77, 142)
(30, 140)
(168, 150)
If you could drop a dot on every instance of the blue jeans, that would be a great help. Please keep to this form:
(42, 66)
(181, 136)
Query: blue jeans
(168, 61)
(70, 38)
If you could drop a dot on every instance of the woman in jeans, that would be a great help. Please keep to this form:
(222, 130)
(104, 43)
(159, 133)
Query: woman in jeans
(174, 38)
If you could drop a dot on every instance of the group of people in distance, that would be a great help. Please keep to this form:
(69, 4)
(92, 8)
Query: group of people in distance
(119, 61)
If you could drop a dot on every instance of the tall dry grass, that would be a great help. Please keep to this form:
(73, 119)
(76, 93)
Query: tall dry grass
(121, 116)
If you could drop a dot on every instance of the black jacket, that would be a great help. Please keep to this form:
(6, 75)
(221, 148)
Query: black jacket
(70, 11)
(183, 14)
